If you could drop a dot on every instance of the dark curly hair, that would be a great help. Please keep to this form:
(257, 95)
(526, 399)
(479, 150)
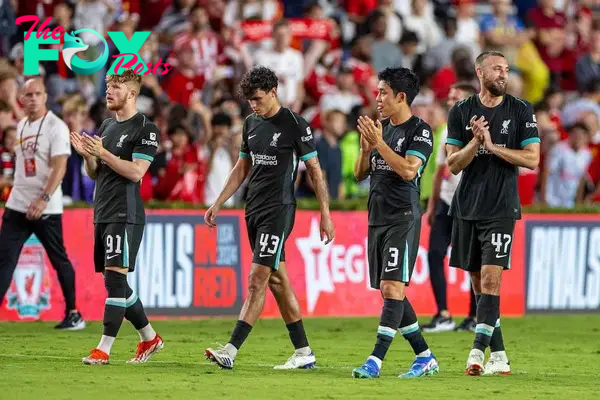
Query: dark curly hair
(401, 80)
(258, 78)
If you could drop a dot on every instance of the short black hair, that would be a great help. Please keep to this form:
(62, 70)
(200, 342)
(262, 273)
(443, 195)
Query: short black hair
(401, 80)
(542, 106)
(491, 53)
(221, 119)
(409, 37)
(258, 78)
(579, 125)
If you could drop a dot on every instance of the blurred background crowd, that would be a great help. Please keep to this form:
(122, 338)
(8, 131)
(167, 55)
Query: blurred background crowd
(326, 54)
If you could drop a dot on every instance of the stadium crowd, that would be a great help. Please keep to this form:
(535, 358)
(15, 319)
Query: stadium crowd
(326, 55)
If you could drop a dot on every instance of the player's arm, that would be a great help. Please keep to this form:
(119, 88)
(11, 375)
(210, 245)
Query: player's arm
(437, 178)
(362, 167)
(460, 148)
(234, 180)
(313, 168)
(90, 163)
(529, 154)
(238, 173)
(406, 167)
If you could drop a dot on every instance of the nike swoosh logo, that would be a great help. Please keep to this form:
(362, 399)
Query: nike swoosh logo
(468, 128)
(102, 137)
(113, 256)
(390, 270)
(500, 256)
(250, 137)
(264, 255)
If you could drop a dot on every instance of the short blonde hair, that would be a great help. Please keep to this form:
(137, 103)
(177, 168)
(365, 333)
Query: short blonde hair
(128, 77)
(74, 105)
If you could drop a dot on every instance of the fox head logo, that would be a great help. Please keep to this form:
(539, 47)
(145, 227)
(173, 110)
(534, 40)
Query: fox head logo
(74, 45)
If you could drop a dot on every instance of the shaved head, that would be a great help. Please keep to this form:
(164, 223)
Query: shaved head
(34, 98)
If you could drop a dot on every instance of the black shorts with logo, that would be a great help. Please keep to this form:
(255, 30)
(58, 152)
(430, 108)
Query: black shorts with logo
(481, 242)
(116, 245)
(268, 231)
(393, 251)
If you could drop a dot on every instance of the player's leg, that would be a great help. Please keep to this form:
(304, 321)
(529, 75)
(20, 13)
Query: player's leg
(14, 232)
(425, 362)
(282, 290)
(470, 323)
(267, 248)
(496, 256)
(150, 342)
(388, 264)
(110, 259)
(50, 233)
(439, 240)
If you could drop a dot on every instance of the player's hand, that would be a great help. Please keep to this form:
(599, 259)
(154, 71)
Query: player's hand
(77, 144)
(327, 229)
(487, 139)
(93, 145)
(365, 146)
(477, 125)
(371, 131)
(210, 217)
(36, 208)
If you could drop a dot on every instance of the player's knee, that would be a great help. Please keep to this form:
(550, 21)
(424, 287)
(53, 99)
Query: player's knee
(257, 281)
(490, 283)
(392, 290)
(114, 281)
(276, 284)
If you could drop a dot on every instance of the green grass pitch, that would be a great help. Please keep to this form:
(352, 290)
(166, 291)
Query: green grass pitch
(552, 357)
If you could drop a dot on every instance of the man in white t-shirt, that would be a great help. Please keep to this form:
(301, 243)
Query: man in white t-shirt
(287, 63)
(444, 186)
(35, 202)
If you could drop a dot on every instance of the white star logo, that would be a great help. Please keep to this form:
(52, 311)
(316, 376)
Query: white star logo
(326, 265)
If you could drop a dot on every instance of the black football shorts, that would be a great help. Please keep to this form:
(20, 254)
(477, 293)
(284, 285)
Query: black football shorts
(116, 245)
(481, 242)
(393, 251)
(268, 231)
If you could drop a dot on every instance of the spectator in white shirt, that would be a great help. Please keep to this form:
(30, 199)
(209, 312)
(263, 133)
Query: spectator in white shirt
(344, 97)
(566, 167)
(287, 63)
(424, 25)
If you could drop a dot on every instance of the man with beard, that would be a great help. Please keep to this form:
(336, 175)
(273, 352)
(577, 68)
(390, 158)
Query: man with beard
(490, 135)
(118, 159)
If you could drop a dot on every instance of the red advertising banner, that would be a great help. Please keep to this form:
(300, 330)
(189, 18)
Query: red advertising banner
(301, 28)
(185, 269)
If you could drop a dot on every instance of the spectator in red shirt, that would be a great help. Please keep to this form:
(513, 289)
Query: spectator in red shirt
(204, 43)
(358, 10)
(181, 83)
(7, 161)
(460, 69)
(180, 175)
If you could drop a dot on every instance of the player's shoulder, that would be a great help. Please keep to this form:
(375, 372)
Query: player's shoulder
(514, 102)
(146, 124)
(294, 117)
(420, 127)
(466, 104)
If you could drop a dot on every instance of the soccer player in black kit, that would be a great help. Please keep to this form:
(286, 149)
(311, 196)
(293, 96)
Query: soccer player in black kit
(117, 159)
(274, 140)
(490, 135)
(394, 153)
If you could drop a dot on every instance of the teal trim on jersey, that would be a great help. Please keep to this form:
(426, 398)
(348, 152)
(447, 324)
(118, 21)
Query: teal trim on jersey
(115, 302)
(131, 300)
(125, 250)
(142, 156)
(529, 141)
(417, 154)
(454, 142)
(405, 262)
(278, 255)
(244, 155)
(497, 323)
(308, 156)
